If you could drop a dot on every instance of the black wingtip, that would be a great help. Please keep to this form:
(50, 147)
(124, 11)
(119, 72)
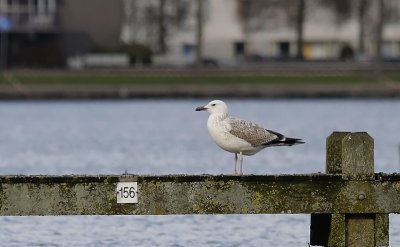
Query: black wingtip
(293, 141)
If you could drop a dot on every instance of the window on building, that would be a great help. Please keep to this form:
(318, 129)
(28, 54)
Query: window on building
(284, 49)
(239, 48)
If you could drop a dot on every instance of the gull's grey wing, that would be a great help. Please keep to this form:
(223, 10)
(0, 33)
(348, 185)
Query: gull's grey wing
(252, 133)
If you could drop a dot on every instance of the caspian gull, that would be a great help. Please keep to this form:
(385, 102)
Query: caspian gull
(239, 136)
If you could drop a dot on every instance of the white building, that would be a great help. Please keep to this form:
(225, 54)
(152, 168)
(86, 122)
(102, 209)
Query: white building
(225, 40)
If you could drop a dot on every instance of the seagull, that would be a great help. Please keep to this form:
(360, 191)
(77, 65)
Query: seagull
(240, 136)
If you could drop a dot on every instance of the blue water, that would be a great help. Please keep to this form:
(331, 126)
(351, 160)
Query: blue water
(169, 137)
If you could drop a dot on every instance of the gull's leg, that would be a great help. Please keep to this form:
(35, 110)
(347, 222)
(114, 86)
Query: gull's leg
(236, 158)
(241, 163)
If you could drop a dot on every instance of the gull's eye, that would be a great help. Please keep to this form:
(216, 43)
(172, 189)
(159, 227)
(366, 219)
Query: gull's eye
(213, 105)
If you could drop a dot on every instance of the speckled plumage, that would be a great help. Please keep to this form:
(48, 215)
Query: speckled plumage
(251, 132)
(240, 136)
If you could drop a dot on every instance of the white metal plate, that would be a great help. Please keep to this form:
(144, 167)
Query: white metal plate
(127, 192)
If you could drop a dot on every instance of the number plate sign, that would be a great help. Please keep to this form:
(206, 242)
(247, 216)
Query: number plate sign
(127, 192)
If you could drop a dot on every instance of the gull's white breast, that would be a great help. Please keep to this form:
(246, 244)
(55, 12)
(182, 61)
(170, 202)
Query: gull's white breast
(219, 128)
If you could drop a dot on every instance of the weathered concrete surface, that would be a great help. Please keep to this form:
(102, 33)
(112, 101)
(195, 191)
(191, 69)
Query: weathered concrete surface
(352, 156)
(204, 194)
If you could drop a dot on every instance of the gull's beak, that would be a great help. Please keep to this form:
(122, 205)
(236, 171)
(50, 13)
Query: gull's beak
(201, 108)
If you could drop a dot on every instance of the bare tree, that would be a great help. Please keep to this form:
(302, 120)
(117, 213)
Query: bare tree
(362, 9)
(379, 29)
(162, 29)
(301, 6)
(166, 17)
(199, 33)
(343, 11)
(254, 14)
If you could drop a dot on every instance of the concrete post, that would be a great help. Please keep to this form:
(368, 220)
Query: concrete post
(352, 156)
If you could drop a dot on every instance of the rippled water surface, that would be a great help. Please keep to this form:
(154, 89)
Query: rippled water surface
(168, 137)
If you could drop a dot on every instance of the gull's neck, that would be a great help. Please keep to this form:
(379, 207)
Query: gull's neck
(218, 116)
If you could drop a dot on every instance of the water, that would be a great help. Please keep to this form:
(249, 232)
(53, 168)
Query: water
(169, 137)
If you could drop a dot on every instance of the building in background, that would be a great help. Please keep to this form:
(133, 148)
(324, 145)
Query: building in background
(32, 33)
(47, 33)
(44, 33)
(99, 20)
(176, 26)
(328, 34)
(331, 35)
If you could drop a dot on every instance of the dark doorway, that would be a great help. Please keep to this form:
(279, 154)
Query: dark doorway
(284, 48)
(239, 48)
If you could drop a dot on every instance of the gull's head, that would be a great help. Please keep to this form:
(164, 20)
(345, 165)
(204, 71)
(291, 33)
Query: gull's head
(214, 107)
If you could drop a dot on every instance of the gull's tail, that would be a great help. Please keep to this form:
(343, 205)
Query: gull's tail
(291, 141)
(282, 140)
(285, 141)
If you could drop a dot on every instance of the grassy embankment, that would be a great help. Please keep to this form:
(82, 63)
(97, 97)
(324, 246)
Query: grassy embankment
(94, 79)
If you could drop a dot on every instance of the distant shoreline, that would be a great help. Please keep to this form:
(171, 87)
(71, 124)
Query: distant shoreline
(293, 80)
(236, 91)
